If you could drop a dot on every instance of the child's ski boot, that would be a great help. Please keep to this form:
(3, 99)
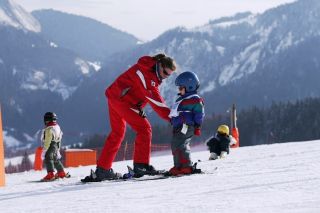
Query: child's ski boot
(49, 177)
(62, 174)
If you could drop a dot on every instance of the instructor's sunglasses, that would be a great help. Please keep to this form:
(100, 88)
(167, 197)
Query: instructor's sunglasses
(166, 72)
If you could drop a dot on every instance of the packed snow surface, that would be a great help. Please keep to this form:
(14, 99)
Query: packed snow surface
(267, 178)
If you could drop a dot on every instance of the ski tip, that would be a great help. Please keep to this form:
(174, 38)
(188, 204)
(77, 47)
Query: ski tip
(68, 175)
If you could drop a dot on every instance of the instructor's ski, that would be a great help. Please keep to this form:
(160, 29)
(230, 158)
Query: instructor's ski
(130, 176)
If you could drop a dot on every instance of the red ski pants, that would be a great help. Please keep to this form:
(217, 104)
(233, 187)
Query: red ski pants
(120, 114)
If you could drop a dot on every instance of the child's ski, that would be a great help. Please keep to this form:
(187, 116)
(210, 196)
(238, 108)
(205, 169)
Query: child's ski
(56, 178)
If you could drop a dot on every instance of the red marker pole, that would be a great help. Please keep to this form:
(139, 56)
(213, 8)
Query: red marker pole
(234, 128)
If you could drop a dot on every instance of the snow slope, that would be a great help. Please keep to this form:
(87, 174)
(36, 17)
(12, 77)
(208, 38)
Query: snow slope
(266, 178)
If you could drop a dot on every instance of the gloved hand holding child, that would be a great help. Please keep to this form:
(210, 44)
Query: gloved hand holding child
(197, 131)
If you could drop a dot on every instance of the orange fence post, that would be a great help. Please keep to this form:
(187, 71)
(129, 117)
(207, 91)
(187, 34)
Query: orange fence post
(2, 175)
(37, 159)
(235, 134)
(234, 128)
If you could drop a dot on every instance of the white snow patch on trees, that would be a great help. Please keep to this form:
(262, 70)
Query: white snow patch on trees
(208, 87)
(247, 60)
(10, 141)
(39, 81)
(83, 65)
(285, 43)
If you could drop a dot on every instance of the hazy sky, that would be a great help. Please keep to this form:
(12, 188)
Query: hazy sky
(146, 19)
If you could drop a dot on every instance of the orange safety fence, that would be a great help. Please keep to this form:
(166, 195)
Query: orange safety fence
(84, 157)
(79, 157)
(126, 150)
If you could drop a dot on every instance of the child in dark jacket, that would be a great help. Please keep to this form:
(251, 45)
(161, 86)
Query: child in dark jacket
(219, 145)
(186, 118)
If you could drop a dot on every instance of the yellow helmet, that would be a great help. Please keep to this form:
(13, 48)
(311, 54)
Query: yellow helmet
(223, 129)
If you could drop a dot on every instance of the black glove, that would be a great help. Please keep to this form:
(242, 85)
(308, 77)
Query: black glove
(142, 113)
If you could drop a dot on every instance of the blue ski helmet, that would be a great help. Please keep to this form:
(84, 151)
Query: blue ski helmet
(189, 80)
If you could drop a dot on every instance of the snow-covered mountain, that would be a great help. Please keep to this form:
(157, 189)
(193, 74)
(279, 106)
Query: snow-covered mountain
(248, 59)
(36, 75)
(278, 178)
(87, 37)
(14, 15)
(38, 72)
(253, 59)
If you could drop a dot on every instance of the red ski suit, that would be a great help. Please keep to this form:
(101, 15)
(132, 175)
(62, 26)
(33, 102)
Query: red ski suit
(130, 91)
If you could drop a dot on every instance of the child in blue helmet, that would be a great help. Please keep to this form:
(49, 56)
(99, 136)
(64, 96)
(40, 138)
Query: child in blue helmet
(186, 118)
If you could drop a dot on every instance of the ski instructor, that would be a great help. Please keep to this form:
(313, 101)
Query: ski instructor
(127, 96)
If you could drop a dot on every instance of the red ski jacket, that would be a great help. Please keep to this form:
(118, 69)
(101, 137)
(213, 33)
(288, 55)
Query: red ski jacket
(139, 86)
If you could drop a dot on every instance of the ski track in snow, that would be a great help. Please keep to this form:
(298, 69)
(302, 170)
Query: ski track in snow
(266, 178)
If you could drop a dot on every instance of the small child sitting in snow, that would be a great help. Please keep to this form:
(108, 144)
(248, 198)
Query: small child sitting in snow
(219, 145)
